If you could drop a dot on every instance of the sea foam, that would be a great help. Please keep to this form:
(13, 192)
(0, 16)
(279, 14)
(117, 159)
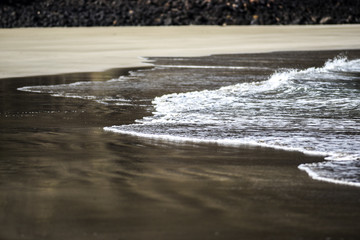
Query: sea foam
(314, 111)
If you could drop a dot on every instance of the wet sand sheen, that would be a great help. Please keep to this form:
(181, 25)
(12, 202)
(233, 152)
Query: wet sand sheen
(63, 177)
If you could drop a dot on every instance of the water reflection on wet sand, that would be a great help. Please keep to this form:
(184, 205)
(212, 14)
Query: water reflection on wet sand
(63, 177)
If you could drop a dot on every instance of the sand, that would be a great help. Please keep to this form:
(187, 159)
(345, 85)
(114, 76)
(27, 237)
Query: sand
(46, 51)
(63, 177)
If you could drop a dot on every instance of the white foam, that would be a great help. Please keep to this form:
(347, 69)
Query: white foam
(29, 89)
(69, 95)
(208, 67)
(294, 110)
(316, 176)
(172, 138)
(342, 64)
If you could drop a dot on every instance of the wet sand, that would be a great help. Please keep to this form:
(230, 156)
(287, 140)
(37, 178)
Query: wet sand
(43, 51)
(63, 177)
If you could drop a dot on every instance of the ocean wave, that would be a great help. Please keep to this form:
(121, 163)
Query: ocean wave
(315, 111)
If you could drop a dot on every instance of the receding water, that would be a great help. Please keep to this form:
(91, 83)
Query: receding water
(315, 110)
(192, 148)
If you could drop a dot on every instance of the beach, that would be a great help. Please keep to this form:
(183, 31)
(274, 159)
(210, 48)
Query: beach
(44, 51)
(63, 177)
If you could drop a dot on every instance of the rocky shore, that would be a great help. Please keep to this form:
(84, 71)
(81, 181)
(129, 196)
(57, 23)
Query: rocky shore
(53, 13)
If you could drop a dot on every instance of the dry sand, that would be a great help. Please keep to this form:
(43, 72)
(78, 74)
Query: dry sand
(43, 51)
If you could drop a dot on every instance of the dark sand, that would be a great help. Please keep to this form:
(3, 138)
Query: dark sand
(63, 177)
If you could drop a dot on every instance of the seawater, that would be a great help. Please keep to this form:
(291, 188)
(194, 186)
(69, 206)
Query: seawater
(315, 110)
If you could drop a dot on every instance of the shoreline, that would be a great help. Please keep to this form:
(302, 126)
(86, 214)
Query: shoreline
(48, 51)
(60, 170)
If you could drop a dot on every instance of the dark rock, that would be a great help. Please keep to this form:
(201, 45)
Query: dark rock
(325, 20)
(51, 13)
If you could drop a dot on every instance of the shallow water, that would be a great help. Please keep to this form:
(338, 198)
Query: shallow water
(63, 176)
(315, 110)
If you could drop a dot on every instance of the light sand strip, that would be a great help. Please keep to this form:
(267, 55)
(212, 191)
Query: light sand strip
(42, 51)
